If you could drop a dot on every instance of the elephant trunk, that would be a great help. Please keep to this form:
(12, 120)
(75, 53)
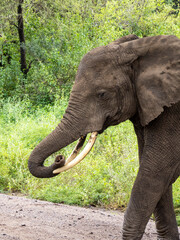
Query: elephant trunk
(64, 134)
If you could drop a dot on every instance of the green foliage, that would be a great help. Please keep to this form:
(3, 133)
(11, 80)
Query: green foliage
(176, 189)
(59, 33)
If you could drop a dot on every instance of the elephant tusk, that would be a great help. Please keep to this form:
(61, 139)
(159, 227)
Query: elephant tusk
(76, 150)
(72, 162)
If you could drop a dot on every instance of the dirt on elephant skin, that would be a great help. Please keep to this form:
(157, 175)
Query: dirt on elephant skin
(27, 219)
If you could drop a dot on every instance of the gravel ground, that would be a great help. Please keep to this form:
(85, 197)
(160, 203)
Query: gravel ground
(27, 219)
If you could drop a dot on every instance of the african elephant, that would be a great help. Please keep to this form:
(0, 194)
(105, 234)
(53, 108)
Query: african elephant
(137, 79)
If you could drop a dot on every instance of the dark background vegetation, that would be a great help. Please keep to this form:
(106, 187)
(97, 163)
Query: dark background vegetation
(42, 42)
(41, 45)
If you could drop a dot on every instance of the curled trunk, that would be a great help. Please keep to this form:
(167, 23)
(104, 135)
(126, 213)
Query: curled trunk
(51, 144)
(64, 134)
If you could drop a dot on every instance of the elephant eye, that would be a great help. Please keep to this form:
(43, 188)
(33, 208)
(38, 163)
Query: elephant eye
(101, 94)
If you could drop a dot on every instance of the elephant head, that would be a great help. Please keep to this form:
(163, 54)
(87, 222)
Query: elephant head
(113, 83)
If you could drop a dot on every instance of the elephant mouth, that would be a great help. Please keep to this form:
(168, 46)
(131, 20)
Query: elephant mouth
(107, 123)
(74, 158)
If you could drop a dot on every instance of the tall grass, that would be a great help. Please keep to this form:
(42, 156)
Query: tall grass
(104, 178)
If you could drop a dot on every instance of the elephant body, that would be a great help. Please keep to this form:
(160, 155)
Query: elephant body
(159, 168)
(136, 79)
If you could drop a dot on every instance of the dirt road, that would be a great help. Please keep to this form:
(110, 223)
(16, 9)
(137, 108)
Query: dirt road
(27, 219)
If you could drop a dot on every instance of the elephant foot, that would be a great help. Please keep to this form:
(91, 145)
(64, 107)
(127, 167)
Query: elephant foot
(130, 237)
(171, 237)
(132, 234)
(168, 233)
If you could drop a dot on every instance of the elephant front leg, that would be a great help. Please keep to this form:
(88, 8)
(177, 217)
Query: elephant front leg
(165, 217)
(146, 193)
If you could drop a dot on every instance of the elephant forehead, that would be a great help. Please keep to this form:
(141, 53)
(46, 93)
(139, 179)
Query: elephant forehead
(98, 54)
(93, 78)
(97, 58)
(85, 86)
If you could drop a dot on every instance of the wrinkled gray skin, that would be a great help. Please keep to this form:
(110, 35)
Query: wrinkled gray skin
(136, 79)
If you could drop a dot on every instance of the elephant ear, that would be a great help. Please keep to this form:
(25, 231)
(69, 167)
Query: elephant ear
(156, 62)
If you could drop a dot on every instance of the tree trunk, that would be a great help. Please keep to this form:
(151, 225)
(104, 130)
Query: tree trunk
(24, 68)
